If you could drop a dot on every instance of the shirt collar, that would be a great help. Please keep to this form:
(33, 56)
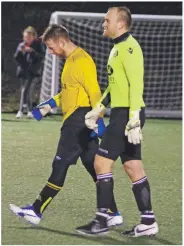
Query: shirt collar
(121, 38)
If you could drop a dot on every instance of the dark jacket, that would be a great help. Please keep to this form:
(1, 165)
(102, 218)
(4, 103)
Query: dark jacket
(30, 63)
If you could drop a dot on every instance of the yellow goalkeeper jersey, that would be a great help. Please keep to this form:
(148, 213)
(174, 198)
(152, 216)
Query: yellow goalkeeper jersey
(80, 87)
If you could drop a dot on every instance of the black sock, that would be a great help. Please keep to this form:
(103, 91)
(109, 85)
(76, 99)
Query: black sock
(147, 217)
(141, 190)
(113, 206)
(104, 187)
(45, 197)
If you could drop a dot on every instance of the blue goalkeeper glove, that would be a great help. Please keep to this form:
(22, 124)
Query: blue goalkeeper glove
(43, 108)
(99, 131)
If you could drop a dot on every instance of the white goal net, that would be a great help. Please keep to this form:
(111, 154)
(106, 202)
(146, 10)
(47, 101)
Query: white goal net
(161, 40)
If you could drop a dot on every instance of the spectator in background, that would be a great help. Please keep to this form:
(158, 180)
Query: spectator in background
(29, 56)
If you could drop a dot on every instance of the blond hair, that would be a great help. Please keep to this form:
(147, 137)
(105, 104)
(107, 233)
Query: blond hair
(30, 30)
(55, 31)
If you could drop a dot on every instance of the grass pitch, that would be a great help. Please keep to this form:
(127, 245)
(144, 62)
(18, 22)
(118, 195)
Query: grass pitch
(28, 148)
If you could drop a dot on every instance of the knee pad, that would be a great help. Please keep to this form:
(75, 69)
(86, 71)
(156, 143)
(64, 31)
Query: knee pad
(59, 171)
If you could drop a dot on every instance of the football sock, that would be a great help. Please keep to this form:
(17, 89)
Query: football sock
(45, 197)
(141, 190)
(113, 208)
(104, 186)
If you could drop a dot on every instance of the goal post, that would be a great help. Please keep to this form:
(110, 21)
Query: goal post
(161, 40)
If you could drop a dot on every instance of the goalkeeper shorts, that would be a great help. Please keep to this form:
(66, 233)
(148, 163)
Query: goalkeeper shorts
(114, 143)
(75, 141)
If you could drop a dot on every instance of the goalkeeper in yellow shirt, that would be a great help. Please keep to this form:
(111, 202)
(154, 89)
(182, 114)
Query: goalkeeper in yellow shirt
(123, 135)
(80, 93)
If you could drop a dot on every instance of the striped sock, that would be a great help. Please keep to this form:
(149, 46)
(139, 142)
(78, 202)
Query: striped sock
(141, 190)
(104, 187)
(147, 217)
(103, 176)
(140, 181)
(45, 197)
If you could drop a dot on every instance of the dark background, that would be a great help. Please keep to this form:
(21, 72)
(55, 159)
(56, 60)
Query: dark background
(18, 15)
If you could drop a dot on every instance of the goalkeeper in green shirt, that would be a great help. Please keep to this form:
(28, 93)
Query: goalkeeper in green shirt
(123, 135)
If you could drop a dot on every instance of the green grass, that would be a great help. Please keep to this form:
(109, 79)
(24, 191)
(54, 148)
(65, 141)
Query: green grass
(28, 148)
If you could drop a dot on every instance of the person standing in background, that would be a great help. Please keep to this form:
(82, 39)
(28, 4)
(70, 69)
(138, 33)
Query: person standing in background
(29, 56)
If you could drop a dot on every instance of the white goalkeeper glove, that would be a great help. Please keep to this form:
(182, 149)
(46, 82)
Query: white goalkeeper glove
(133, 128)
(92, 116)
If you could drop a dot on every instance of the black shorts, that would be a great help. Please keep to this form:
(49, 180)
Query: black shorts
(114, 143)
(75, 140)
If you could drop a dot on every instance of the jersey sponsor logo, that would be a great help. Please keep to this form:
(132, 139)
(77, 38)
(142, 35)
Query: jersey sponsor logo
(115, 53)
(130, 50)
(109, 70)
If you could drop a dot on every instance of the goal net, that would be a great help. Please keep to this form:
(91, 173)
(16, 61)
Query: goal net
(161, 40)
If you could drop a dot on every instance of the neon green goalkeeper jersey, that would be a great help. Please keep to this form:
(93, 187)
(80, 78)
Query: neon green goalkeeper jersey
(125, 74)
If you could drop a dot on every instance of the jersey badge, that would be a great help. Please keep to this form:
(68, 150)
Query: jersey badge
(130, 50)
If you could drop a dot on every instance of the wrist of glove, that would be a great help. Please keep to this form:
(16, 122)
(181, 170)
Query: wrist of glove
(133, 128)
(99, 131)
(43, 108)
(92, 116)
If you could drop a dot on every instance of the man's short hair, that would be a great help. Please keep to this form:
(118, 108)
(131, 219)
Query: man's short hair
(54, 32)
(30, 30)
(125, 15)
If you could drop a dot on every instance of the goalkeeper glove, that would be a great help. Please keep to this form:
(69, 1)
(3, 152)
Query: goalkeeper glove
(43, 108)
(99, 131)
(92, 116)
(133, 128)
